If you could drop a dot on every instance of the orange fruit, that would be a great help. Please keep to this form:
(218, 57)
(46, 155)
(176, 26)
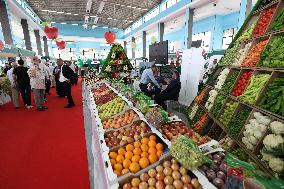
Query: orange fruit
(135, 158)
(159, 146)
(143, 162)
(153, 158)
(159, 153)
(152, 150)
(126, 163)
(144, 140)
(134, 167)
(153, 137)
(137, 144)
(129, 147)
(118, 173)
(144, 147)
(144, 154)
(118, 167)
(137, 151)
(128, 155)
(112, 162)
(135, 182)
(124, 171)
(112, 155)
(152, 143)
(119, 158)
(121, 151)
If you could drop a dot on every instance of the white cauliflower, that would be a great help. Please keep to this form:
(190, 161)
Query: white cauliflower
(276, 164)
(272, 141)
(266, 157)
(277, 127)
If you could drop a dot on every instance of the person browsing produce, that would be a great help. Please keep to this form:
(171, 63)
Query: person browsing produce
(146, 78)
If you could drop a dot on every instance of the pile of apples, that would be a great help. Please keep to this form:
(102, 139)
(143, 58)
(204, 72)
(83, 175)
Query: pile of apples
(170, 175)
(127, 135)
(111, 108)
(136, 156)
(174, 129)
(120, 121)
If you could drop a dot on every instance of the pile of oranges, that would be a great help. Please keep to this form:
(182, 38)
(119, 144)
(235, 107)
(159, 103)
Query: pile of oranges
(136, 156)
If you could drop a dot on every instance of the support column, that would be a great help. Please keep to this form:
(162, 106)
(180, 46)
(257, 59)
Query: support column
(4, 20)
(38, 42)
(124, 46)
(161, 29)
(27, 37)
(133, 49)
(144, 43)
(189, 26)
(45, 46)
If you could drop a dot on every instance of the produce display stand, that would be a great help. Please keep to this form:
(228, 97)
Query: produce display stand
(272, 71)
(103, 173)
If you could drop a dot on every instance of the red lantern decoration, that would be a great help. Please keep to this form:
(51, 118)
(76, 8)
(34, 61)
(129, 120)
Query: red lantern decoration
(1, 45)
(61, 44)
(110, 37)
(51, 32)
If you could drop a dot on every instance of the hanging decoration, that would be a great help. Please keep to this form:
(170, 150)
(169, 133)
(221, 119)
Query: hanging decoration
(2, 45)
(153, 40)
(61, 44)
(110, 37)
(50, 31)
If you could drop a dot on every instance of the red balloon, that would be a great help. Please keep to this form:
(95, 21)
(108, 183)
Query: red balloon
(51, 32)
(61, 44)
(1, 45)
(110, 37)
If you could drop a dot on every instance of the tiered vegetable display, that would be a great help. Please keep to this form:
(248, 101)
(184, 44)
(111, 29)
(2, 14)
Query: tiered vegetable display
(230, 82)
(228, 112)
(278, 23)
(247, 33)
(220, 99)
(212, 95)
(272, 56)
(242, 54)
(253, 56)
(273, 99)
(241, 84)
(192, 110)
(198, 99)
(238, 121)
(198, 126)
(230, 55)
(264, 21)
(254, 88)
(255, 130)
(168, 175)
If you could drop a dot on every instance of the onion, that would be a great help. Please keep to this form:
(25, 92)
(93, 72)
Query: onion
(204, 168)
(218, 182)
(221, 175)
(223, 167)
(214, 167)
(217, 157)
(211, 174)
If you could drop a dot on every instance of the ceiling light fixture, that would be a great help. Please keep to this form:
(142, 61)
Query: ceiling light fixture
(134, 7)
(52, 22)
(94, 26)
(122, 5)
(130, 21)
(105, 27)
(117, 4)
(51, 11)
(139, 8)
(68, 13)
(75, 24)
(45, 10)
(60, 12)
(109, 18)
(115, 28)
(93, 16)
(129, 6)
(63, 23)
(76, 14)
(145, 9)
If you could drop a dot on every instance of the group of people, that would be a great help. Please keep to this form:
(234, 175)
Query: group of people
(38, 79)
(171, 92)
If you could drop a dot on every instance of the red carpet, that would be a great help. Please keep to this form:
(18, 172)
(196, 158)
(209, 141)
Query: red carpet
(44, 150)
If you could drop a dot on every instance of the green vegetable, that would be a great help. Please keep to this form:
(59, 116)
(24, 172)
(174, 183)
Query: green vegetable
(273, 55)
(273, 99)
(240, 154)
(247, 33)
(238, 121)
(255, 86)
(230, 55)
(229, 83)
(218, 103)
(279, 22)
(228, 112)
(187, 153)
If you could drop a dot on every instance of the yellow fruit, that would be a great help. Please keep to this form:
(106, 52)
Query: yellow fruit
(128, 155)
(144, 154)
(137, 144)
(112, 155)
(144, 140)
(118, 167)
(143, 162)
(152, 143)
(129, 147)
(137, 151)
(126, 163)
(135, 158)
(159, 146)
(134, 167)
(152, 150)
(121, 151)
(153, 137)
(153, 158)
(144, 147)
(119, 158)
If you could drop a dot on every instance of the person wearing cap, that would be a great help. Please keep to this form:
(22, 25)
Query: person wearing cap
(14, 90)
(22, 79)
(171, 92)
(146, 78)
(37, 78)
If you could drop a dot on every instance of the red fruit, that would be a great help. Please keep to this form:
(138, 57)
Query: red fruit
(110, 37)
(51, 32)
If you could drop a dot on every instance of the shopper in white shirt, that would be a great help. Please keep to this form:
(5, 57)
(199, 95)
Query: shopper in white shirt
(146, 78)
(14, 89)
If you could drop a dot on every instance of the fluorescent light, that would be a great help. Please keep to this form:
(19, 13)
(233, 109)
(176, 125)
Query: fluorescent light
(52, 22)
(130, 21)
(122, 5)
(94, 26)
(115, 28)
(105, 27)
(129, 6)
(93, 16)
(75, 24)
(51, 11)
(139, 8)
(45, 10)
(117, 4)
(125, 20)
(145, 9)
(109, 18)
(68, 13)
(60, 12)
(76, 14)
(134, 7)
(63, 23)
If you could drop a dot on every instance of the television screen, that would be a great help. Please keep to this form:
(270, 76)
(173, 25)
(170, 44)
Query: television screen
(159, 53)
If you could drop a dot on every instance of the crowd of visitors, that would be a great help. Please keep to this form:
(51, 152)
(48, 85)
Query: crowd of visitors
(38, 78)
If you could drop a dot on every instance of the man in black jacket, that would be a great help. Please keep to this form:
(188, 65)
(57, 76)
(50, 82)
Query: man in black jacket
(171, 92)
(66, 77)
